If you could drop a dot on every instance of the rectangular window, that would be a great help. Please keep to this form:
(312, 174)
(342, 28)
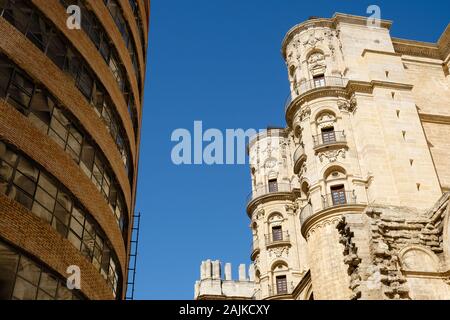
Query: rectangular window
(328, 135)
(319, 81)
(277, 234)
(338, 195)
(273, 185)
(57, 51)
(281, 285)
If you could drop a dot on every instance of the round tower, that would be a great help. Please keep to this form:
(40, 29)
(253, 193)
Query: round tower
(272, 207)
(325, 161)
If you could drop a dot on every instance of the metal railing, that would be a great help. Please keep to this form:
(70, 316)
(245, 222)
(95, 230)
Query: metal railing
(308, 85)
(268, 189)
(327, 138)
(273, 238)
(338, 198)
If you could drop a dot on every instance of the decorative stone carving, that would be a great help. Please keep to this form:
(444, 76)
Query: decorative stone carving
(326, 120)
(304, 113)
(278, 252)
(270, 163)
(316, 63)
(348, 106)
(291, 208)
(332, 155)
(312, 40)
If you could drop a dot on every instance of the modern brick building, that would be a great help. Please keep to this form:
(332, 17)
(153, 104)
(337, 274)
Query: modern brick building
(70, 118)
(351, 199)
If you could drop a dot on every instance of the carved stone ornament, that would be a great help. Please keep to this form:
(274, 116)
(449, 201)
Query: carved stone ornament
(278, 251)
(312, 40)
(316, 63)
(291, 208)
(270, 163)
(348, 106)
(332, 155)
(305, 113)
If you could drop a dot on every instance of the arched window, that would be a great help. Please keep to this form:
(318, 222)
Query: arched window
(276, 233)
(336, 188)
(280, 277)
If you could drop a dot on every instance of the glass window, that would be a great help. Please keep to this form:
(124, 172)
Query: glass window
(85, 83)
(38, 31)
(46, 184)
(20, 91)
(18, 14)
(5, 75)
(45, 199)
(57, 51)
(29, 271)
(24, 290)
(87, 158)
(48, 283)
(41, 212)
(24, 183)
(8, 268)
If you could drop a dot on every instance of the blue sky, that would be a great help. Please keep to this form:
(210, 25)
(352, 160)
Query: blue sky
(219, 61)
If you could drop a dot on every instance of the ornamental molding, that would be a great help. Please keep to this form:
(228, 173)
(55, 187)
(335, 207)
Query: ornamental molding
(278, 252)
(347, 105)
(346, 92)
(332, 155)
(305, 113)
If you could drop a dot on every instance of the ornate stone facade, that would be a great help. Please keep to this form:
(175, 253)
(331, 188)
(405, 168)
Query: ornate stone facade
(351, 199)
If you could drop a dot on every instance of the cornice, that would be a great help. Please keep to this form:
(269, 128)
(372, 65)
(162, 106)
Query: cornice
(329, 23)
(439, 50)
(277, 196)
(434, 118)
(353, 86)
(329, 213)
(416, 48)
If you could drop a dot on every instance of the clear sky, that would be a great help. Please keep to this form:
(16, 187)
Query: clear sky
(219, 61)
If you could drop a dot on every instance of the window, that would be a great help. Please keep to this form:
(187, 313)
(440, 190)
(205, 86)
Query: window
(5, 75)
(44, 112)
(38, 192)
(338, 195)
(277, 234)
(281, 285)
(23, 279)
(319, 81)
(328, 135)
(273, 185)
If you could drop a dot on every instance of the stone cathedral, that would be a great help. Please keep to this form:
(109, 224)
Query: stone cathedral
(351, 199)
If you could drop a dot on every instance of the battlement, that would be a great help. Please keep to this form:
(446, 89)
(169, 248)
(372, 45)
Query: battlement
(215, 285)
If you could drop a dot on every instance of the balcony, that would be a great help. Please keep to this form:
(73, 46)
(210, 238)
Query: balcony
(299, 158)
(340, 198)
(308, 85)
(275, 239)
(329, 139)
(270, 189)
(334, 203)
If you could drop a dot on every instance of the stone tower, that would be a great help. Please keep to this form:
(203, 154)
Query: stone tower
(277, 250)
(351, 199)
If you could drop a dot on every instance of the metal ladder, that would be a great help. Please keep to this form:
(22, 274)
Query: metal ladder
(133, 256)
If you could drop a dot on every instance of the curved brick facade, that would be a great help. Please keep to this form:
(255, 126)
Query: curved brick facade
(96, 176)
